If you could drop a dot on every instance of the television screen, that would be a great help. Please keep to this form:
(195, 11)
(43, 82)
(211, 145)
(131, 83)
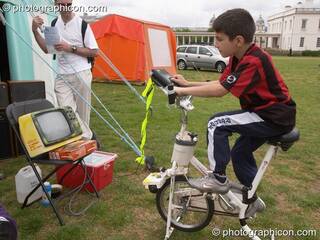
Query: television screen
(49, 129)
(53, 126)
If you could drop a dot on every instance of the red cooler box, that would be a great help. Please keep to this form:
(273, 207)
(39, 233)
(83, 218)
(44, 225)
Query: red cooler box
(99, 167)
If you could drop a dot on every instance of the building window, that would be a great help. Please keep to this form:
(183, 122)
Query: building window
(285, 26)
(180, 40)
(304, 24)
(318, 42)
(301, 42)
(289, 42)
(211, 40)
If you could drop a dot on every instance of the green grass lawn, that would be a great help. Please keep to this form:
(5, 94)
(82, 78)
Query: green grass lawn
(291, 187)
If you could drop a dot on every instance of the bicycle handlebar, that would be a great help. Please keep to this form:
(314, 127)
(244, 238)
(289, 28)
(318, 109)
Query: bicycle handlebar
(163, 79)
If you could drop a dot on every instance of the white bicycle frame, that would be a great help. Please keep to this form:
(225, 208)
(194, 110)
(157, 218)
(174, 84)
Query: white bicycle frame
(235, 199)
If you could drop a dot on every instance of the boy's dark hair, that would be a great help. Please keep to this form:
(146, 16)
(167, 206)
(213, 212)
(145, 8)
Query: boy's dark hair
(235, 22)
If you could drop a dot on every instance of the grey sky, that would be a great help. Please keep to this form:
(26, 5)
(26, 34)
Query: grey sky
(191, 13)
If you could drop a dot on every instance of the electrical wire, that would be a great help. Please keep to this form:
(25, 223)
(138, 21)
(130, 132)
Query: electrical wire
(68, 209)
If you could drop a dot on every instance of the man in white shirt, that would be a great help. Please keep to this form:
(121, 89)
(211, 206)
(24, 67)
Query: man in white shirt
(72, 60)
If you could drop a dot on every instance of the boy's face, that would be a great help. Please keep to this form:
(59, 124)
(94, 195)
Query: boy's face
(226, 46)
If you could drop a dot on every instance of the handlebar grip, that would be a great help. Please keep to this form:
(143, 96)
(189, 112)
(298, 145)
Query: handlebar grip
(171, 95)
(161, 77)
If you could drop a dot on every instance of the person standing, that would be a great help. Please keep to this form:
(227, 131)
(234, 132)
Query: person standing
(74, 67)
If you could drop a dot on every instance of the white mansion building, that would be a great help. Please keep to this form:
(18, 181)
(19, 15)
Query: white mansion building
(296, 27)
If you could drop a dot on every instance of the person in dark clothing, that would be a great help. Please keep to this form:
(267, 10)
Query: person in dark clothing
(8, 226)
(267, 109)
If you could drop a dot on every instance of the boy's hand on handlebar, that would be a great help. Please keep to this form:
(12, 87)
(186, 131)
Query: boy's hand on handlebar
(178, 91)
(179, 80)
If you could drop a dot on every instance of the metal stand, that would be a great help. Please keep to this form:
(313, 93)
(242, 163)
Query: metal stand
(169, 229)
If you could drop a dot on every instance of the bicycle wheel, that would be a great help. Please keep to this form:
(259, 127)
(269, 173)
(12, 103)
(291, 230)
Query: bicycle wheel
(191, 210)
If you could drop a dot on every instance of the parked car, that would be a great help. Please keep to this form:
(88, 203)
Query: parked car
(200, 57)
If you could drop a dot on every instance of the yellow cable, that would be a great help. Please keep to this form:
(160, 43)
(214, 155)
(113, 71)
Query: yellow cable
(147, 93)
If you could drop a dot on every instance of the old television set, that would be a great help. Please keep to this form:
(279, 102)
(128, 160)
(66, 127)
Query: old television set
(49, 129)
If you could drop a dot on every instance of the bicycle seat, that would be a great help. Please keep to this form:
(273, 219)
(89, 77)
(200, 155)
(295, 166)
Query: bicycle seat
(285, 141)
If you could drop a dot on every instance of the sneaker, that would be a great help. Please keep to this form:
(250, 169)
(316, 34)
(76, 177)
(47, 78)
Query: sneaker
(209, 183)
(257, 206)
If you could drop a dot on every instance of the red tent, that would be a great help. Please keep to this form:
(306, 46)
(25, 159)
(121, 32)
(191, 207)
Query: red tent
(134, 47)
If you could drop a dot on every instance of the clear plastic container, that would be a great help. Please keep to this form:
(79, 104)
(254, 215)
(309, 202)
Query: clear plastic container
(182, 155)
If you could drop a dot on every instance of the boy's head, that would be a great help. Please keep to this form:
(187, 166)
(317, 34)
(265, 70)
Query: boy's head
(234, 29)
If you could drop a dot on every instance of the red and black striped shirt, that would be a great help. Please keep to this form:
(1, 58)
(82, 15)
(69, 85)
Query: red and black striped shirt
(260, 87)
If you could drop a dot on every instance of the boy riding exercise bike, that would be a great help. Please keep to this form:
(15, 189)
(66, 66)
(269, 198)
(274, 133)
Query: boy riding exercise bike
(267, 108)
(267, 114)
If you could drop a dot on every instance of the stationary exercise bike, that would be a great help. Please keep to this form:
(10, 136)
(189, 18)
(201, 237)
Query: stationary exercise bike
(186, 208)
